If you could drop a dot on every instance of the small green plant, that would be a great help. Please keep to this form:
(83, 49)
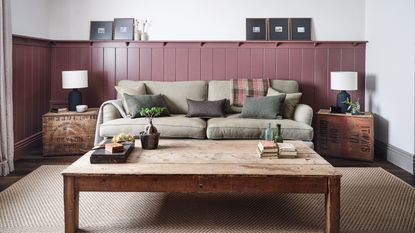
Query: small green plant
(354, 106)
(150, 113)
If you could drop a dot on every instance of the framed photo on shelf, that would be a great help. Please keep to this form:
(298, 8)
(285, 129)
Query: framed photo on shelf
(278, 29)
(301, 29)
(124, 29)
(256, 29)
(101, 30)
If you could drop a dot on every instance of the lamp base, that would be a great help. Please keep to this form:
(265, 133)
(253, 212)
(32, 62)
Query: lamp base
(74, 98)
(341, 98)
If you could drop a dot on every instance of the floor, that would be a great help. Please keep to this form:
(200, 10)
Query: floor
(34, 159)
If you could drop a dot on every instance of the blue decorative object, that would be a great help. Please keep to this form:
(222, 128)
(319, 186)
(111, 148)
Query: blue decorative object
(342, 97)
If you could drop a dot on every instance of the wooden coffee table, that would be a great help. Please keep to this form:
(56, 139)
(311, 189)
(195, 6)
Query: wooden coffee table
(205, 166)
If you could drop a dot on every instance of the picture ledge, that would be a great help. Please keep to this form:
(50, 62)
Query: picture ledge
(197, 43)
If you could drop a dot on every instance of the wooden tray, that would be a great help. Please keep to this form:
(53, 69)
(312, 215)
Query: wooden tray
(102, 156)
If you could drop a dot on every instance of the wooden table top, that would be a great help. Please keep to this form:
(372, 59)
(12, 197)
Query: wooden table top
(207, 157)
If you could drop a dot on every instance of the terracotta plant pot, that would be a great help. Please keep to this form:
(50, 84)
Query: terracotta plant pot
(149, 141)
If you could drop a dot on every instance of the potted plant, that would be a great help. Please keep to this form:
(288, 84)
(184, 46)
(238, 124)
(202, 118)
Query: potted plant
(150, 137)
(354, 106)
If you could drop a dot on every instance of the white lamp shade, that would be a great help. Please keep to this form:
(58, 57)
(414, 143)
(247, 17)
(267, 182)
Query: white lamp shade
(74, 79)
(343, 81)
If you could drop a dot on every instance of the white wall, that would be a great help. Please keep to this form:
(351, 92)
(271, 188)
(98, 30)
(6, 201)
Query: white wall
(390, 70)
(207, 19)
(30, 18)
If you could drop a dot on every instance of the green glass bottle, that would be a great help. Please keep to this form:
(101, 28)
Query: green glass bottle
(269, 134)
(278, 137)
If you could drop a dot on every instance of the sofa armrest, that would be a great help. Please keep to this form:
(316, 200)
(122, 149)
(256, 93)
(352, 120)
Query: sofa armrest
(303, 113)
(110, 113)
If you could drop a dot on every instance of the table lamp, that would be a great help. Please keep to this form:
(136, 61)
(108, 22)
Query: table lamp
(73, 80)
(343, 81)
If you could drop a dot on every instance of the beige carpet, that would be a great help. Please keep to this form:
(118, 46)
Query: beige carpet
(372, 200)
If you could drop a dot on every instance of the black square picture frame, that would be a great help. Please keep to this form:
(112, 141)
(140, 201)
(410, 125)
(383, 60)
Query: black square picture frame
(101, 30)
(301, 29)
(278, 29)
(256, 29)
(124, 28)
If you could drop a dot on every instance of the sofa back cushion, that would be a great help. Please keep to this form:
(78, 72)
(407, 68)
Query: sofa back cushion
(222, 90)
(175, 94)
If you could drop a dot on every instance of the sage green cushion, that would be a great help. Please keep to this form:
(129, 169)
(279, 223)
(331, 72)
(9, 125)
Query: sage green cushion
(173, 126)
(134, 104)
(234, 127)
(290, 102)
(268, 107)
(138, 89)
(176, 93)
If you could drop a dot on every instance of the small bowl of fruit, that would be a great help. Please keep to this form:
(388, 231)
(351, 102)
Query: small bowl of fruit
(124, 138)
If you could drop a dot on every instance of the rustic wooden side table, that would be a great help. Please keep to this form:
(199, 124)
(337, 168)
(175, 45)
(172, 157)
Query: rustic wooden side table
(345, 136)
(68, 133)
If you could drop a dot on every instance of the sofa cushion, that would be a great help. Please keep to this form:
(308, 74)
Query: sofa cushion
(241, 88)
(206, 109)
(176, 93)
(134, 89)
(221, 89)
(234, 127)
(290, 102)
(268, 107)
(174, 126)
(134, 104)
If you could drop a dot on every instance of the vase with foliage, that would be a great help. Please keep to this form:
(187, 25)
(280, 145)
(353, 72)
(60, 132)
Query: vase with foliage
(353, 106)
(150, 136)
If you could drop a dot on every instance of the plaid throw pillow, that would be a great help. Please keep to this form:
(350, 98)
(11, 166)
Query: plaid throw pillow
(247, 87)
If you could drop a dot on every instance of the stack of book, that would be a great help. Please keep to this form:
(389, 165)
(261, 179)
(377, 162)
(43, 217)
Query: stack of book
(287, 150)
(267, 149)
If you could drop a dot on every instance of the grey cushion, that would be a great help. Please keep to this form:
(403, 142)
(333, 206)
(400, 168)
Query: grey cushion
(234, 127)
(174, 126)
(268, 107)
(206, 109)
(134, 103)
(290, 102)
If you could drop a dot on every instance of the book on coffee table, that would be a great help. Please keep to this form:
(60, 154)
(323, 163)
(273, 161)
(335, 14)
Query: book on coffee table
(267, 149)
(287, 150)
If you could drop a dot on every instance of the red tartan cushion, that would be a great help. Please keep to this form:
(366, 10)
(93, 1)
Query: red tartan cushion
(241, 88)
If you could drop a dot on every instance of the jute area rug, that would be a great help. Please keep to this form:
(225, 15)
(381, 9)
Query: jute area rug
(372, 200)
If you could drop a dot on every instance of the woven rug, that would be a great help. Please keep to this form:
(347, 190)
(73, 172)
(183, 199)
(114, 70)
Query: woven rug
(372, 200)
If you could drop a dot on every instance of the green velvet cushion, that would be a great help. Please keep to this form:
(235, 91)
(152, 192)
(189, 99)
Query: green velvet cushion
(134, 103)
(290, 102)
(268, 107)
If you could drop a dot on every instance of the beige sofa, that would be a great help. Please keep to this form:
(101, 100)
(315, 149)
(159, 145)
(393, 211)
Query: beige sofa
(231, 127)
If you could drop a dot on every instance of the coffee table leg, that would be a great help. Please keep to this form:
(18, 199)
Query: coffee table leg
(71, 203)
(333, 205)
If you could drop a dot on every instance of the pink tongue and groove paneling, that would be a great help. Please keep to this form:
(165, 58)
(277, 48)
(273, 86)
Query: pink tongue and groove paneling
(309, 63)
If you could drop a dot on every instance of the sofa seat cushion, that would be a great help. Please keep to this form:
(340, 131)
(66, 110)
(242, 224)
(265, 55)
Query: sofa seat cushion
(174, 126)
(234, 127)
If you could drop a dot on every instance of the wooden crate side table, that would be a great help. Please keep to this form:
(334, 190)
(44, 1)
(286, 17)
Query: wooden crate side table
(68, 133)
(345, 136)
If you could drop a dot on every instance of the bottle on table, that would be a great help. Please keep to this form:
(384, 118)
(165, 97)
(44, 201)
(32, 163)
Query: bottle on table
(269, 134)
(278, 137)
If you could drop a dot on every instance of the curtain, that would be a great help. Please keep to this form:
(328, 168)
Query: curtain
(6, 86)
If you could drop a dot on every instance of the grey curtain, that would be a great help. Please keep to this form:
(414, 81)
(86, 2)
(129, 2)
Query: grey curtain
(6, 86)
